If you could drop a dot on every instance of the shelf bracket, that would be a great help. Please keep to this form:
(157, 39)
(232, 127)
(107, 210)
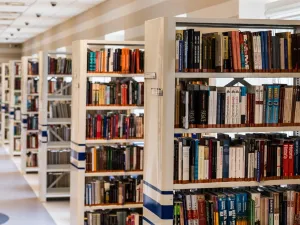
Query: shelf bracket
(57, 180)
(238, 80)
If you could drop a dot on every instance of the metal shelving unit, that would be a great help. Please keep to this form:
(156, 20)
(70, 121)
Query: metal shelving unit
(79, 142)
(5, 103)
(14, 107)
(159, 110)
(47, 190)
(25, 132)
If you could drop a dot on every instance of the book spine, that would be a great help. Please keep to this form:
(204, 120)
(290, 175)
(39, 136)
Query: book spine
(291, 159)
(271, 211)
(285, 160)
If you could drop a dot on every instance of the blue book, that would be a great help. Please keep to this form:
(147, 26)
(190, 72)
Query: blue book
(269, 104)
(266, 58)
(231, 210)
(262, 44)
(181, 55)
(218, 108)
(104, 126)
(244, 98)
(225, 158)
(196, 142)
(242, 53)
(238, 207)
(276, 91)
(258, 167)
(222, 209)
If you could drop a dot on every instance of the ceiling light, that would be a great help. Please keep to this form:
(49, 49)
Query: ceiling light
(13, 3)
(11, 34)
(18, 29)
(26, 23)
(6, 38)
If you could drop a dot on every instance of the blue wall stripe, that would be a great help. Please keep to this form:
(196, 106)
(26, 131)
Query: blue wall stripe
(80, 168)
(156, 189)
(164, 212)
(44, 133)
(147, 220)
(80, 156)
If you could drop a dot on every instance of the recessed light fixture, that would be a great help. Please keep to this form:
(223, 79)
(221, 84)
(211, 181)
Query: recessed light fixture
(18, 29)
(11, 34)
(6, 38)
(26, 23)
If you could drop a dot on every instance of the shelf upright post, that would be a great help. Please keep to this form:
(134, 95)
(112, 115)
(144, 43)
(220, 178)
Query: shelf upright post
(24, 113)
(4, 103)
(13, 106)
(78, 136)
(159, 121)
(43, 100)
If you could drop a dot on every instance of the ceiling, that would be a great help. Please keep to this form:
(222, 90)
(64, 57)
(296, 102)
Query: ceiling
(15, 13)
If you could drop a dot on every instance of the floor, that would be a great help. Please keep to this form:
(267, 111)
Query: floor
(19, 197)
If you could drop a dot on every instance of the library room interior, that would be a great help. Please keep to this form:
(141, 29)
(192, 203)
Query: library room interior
(150, 112)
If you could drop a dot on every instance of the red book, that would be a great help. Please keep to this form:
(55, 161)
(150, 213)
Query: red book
(241, 40)
(202, 212)
(285, 160)
(291, 159)
(116, 125)
(238, 50)
(98, 135)
(234, 50)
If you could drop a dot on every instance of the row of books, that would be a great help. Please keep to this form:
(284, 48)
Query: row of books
(32, 86)
(59, 85)
(114, 126)
(59, 132)
(60, 109)
(198, 105)
(115, 93)
(17, 144)
(236, 51)
(123, 217)
(31, 159)
(17, 129)
(33, 68)
(32, 104)
(59, 65)
(32, 122)
(127, 158)
(62, 182)
(118, 191)
(32, 141)
(246, 157)
(58, 156)
(263, 205)
(115, 60)
(18, 83)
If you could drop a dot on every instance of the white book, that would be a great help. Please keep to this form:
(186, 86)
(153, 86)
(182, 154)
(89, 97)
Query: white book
(201, 162)
(232, 162)
(259, 57)
(179, 160)
(237, 105)
(227, 106)
(195, 208)
(256, 197)
(238, 168)
(232, 105)
(185, 162)
(219, 160)
(111, 61)
(278, 169)
(242, 157)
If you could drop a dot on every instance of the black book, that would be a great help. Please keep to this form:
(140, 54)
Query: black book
(196, 65)
(294, 51)
(190, 50)
(186, 50)
(203, 105)
(192, 103)
(176, 149)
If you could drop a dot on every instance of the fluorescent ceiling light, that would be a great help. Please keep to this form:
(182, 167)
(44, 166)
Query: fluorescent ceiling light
(12, 3)
(9, 14)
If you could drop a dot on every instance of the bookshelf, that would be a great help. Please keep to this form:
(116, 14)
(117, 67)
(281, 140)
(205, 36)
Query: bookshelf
(15, 107)
(5, 103)
(1, 102)
(80, 144)
(160, 41)
(55, 79)
(29, 111)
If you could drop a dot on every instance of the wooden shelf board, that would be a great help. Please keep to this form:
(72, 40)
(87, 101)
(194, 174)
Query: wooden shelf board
(58, 168)
(113, 173)
(95, 74)
(114, 107)
(112, 206)
(58, 121)
(236, 129)
(235, 75)
(59, 97)
(59, 144)
(110, 141)
(235, 184)
(58, 192)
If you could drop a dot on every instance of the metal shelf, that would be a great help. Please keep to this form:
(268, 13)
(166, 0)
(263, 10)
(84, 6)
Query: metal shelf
(111, 141)
(59, 121)
(59, 144)
(112, 206)
(95, 74)
(113, 173)
(236, 75)
(113, 107)
(59, 97)
(58, 168)
(58, 193)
